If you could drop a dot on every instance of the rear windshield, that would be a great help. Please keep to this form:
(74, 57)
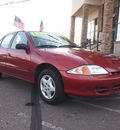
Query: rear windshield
(43, 40)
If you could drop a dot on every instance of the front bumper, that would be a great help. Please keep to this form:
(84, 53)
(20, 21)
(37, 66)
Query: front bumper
(87, 85)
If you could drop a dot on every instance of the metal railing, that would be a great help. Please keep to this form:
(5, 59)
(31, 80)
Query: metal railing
(95, 46)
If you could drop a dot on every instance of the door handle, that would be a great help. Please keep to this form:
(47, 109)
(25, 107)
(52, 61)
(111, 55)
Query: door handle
(9, 54)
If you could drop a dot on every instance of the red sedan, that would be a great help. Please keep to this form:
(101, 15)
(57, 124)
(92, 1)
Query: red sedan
(58, 66)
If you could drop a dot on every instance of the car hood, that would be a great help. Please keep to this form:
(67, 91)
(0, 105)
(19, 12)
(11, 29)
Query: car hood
(68, 58)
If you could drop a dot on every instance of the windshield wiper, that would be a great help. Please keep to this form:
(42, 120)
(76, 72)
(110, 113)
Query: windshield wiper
(46, 46)
(68, 46)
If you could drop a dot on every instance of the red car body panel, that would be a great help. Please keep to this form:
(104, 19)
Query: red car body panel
(91, 85)
(23, 64)
(18, 63)
(3, 59)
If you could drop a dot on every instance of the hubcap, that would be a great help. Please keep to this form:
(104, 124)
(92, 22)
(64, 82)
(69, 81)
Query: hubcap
(47, 86)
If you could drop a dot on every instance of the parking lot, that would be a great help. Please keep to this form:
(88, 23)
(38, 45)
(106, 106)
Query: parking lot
(21, 108)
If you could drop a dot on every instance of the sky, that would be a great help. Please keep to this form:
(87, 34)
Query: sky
(54, 13)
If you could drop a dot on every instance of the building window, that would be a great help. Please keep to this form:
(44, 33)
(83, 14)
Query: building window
(92, 31)
(118, 26)
(116, 21)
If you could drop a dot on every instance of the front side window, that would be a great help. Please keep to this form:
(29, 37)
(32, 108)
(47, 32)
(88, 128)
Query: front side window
(6, 41)
(19, 38)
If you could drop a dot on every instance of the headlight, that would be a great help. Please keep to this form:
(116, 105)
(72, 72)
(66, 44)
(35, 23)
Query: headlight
(88, 70)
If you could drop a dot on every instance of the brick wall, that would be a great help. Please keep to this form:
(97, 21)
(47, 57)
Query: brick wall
(100, 17)
(72, 28)
(84, 24)
(107, 26)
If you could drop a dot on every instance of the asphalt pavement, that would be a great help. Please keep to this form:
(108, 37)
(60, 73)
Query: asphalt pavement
(21, 108)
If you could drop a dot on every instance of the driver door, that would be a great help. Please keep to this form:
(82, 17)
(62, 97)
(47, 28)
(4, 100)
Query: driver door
(18, 60)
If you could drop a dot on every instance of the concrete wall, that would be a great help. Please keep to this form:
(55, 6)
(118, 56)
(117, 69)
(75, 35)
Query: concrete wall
(117, 49)
(102, 1)
(77, 5)
(93, 2)
(93, 13)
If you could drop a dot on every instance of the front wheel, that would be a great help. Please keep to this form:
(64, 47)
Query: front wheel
(50, 86)
(0, 75)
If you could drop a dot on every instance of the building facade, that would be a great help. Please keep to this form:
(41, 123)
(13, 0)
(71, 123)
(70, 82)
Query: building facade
(100, 24)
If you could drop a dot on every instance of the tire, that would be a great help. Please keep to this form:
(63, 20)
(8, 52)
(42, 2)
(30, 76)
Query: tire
(0, 75)
(50, 86)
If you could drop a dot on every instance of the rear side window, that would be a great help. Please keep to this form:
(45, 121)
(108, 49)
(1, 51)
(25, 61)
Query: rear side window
(19, 38)
(6, 41)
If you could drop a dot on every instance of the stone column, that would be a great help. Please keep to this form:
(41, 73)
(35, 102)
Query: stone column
(107, 26)
(100, 22)
(100, 17)
(85, 11)
(72, 28)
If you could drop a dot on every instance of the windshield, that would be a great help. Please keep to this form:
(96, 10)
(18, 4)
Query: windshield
(47, 40)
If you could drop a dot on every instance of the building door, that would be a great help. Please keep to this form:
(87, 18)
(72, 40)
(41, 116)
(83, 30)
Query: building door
(113, 40)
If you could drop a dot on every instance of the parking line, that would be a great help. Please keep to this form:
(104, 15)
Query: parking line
(49, 125)
(97, 106)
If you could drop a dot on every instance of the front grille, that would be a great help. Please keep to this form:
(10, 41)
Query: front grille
(117, 72)
(101, 90)
(104, 90)
(116, 88)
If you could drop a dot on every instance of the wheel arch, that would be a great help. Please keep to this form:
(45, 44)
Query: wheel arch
(43, 66)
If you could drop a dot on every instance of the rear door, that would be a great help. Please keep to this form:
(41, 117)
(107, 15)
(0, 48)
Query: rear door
(4, 45)
(18, 60)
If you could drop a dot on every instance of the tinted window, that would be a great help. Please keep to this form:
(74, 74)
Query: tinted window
(6, 40)
(19, 38)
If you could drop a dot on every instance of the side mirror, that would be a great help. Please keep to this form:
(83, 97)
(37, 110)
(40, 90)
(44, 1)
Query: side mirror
(22, 46)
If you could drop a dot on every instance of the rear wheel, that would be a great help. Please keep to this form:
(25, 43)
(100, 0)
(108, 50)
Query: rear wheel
(50, 86)
(0, 75)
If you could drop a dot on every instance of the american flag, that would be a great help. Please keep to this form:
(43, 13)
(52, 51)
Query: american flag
(18, 23)
(41, 26)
